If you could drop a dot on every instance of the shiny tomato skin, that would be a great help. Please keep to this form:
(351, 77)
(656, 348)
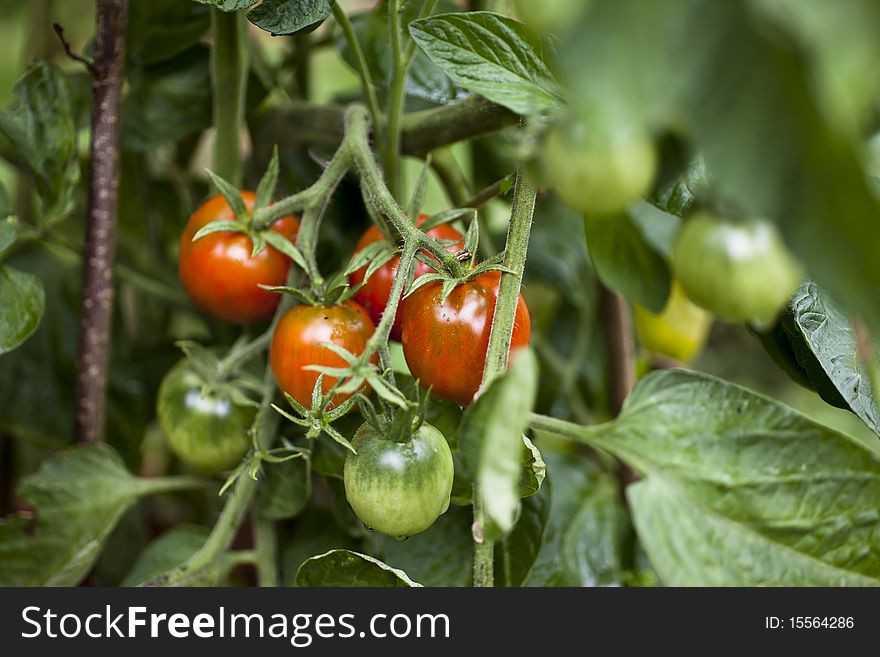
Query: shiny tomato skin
(399, 488)
(218, 272)
(297, 340)
(445, 343)
(374, 295)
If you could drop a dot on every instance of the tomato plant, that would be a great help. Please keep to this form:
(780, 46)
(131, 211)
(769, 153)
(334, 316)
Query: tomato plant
(445, 340)
(366, 194)
(374, 293)
(219, 271)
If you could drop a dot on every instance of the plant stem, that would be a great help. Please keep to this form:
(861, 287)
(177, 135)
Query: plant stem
(228, 82)
(515, 253)
(383, 330)
(156, 485)
(265, 551)
(356, 138)
(363, 69)
(498, 351)
(484, 549)
(103, 205)
(401, 60)
(396, 99)
(575, 432)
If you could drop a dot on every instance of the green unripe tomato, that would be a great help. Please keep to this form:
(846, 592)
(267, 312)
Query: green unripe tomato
(399, 488)
(549, 15)
(739, 271)
(596, 171)
(208, 432)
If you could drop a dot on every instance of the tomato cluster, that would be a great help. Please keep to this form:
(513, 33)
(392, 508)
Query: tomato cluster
(398, 485)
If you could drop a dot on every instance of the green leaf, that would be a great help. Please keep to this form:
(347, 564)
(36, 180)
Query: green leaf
(219, 226)
(229, 5)
(168, 101)
(22, 302)
(426, 83)
(350, 569)
(442, 555)
(491, 55)
(171, 549)
(627, 262)
(679, 196)
(285, 246)
(516, 553)
(160, 29)
(78, 496)
(290, 16)
(533, 471)
(266, 186)
(42, 131)
(230, 192)
(490, 440)
(9, 229)
(741, 490)
(285, 489)
(825, 345)
(594, 545)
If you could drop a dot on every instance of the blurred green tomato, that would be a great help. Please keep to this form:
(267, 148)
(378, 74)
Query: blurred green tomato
(739, 271)
(208, 432)
(598, 172)
(549, 15)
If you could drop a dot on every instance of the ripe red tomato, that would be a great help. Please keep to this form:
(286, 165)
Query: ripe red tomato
(445, 343)
(297, 340)
(374, 295)
(218, 272)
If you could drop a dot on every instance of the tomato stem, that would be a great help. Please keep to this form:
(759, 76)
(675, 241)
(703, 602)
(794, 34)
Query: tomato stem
(500, 336)
(265, 551)
(362, 68)
(229, 68)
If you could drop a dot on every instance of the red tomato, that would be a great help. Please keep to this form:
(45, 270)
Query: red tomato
(297, 340)
(374, 295)
(445, 343)
(218, 272)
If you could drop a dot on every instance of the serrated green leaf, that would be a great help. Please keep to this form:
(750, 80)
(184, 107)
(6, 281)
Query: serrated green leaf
(219, 226)
(491, 55)
(350, 569)
(741, 490)
(78, 496)
(22, 303)
(290, 16)
(266, 186)
(285, 246)
(825, 345)
(42, 131)
(230, 193)
(229, 5)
